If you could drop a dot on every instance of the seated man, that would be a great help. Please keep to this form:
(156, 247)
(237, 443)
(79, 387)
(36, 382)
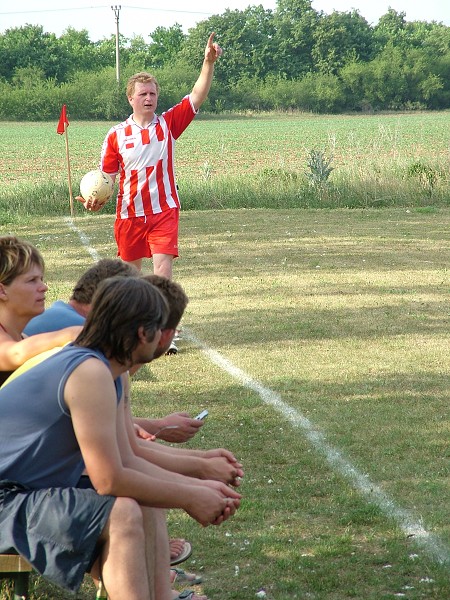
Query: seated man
(62, 529)
(180, 426)
(74, 312)
(218, 464)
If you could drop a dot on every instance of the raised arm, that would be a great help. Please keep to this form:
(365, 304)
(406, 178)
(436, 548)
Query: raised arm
(202, 86)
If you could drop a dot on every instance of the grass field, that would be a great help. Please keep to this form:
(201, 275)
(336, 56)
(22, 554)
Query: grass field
(319, 342)
(248, 162)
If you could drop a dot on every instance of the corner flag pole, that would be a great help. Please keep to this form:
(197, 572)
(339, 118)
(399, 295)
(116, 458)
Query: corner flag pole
(68, 171)
(63, 124)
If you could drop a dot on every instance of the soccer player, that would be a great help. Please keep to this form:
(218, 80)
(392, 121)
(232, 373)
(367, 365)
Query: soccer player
(141, 151)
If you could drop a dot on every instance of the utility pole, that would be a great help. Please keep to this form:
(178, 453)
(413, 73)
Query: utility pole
(116, 10)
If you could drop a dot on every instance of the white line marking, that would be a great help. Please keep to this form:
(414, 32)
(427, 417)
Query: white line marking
(407, 522)
(84, 239)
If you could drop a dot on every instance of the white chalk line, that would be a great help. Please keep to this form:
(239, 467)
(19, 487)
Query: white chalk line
(405, 519)
(407, 522)
(84, 239)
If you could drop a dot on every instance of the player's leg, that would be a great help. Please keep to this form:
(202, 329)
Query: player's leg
(124, 565)
(137, 263)
(163, 244)
(163, 241)
(162, 265)
(131, 239)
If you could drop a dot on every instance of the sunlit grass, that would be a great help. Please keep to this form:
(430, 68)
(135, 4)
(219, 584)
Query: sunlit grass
(344, 314)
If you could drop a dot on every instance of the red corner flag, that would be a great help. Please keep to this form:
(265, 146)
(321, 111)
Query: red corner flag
(63, 124)
(63, 121)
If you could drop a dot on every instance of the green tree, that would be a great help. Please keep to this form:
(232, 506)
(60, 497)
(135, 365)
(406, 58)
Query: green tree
(390, 29)
(29, 46)
(81, 53)
(295, 22)
(106, 51)
(340, 38)
(441, 68)
(165, 45)
(247, 38)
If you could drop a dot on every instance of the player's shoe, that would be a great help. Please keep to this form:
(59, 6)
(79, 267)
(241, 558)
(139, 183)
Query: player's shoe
(172, 349)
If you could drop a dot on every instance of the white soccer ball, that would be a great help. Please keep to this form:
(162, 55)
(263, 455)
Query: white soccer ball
(96, 185)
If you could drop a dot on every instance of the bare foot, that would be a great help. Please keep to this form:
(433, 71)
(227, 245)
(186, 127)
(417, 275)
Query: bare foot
(184, 577)
(176, 547)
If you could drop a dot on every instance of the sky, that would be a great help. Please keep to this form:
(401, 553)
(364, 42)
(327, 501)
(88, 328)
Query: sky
(140, 19)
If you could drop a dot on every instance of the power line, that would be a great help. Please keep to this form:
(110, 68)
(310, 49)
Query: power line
(170, 10)
(78, 8)
(47, 10)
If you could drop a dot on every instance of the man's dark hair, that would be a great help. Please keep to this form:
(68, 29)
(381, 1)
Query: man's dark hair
(85, 287)
(175, 296)
(120, 306)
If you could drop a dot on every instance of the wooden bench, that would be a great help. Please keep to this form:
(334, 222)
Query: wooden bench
(13, 566)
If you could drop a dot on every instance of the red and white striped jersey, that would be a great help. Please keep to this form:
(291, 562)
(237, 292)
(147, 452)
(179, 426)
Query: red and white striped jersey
(144, 160)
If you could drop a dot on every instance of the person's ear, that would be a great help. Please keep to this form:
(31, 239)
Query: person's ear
(142, 336)
(166, 337)
(3, 294)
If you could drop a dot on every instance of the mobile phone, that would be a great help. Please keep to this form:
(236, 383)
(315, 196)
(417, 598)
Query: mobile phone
(201, 415)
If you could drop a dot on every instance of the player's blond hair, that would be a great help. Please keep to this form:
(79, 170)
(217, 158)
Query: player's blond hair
(142, 77)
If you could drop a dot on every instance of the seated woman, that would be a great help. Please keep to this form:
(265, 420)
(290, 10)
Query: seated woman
(22, 297)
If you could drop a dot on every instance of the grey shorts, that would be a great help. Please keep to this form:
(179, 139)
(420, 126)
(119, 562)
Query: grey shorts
(55, 529)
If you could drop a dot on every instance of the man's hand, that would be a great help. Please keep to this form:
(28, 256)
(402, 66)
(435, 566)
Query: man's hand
(220, 469)
(212, 503)
(186, 427)
(142, 434)
(232, 460)
(93, 205)
(212, 50)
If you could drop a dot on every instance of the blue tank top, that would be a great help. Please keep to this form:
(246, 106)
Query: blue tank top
(38, 446)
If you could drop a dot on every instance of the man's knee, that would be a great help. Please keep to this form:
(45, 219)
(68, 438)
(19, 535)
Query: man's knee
(126, 517)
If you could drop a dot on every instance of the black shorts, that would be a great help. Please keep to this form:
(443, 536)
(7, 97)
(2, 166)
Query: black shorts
(55, 529)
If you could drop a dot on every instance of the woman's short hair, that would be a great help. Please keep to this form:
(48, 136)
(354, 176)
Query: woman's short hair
(17, 257)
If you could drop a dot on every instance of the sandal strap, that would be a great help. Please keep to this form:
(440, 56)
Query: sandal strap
(185, 595)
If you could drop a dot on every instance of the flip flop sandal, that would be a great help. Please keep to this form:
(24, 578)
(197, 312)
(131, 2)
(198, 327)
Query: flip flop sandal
(185, 595)
(184, 555)
(183, 577)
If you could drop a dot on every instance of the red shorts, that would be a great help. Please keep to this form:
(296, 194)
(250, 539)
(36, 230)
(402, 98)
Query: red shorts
(141, 237)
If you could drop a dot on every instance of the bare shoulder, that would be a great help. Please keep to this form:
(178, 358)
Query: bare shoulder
(91, 378)
(94, 366)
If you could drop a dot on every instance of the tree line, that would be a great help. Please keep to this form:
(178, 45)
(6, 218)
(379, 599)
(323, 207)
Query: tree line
(289, 58)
